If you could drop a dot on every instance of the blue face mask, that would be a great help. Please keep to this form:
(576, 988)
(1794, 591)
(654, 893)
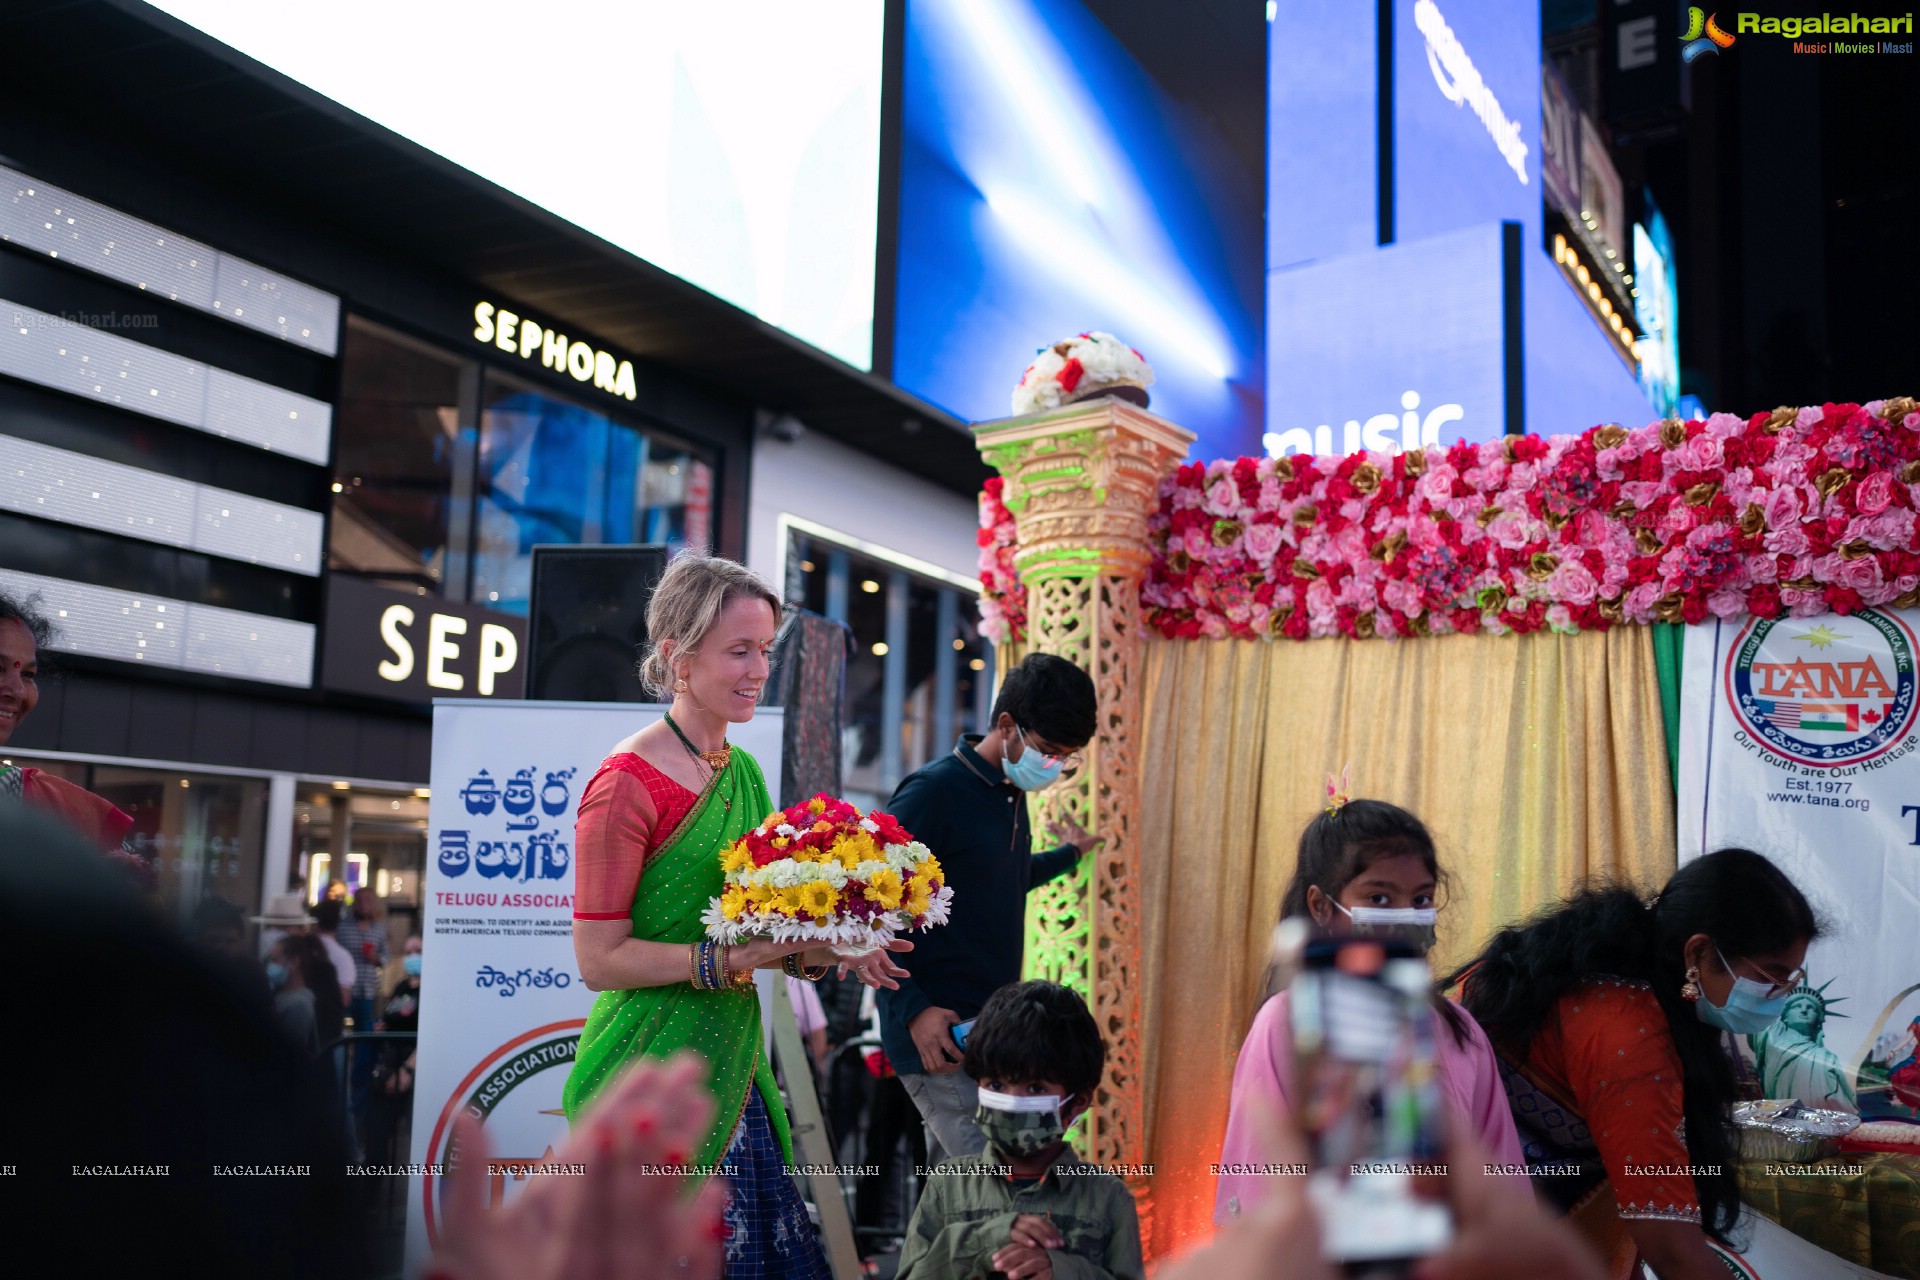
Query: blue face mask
(1028, 773)
(276, 975)
(411, 964)
(1748, 1010)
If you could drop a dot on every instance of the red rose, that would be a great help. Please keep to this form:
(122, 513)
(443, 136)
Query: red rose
(1070, 375)
(1843, 600)
(1764, 602)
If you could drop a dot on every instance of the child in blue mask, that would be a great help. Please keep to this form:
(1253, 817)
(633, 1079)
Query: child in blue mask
(1027, 1207)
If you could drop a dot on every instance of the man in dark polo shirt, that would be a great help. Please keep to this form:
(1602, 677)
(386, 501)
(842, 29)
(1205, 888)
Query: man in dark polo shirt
(969, 808)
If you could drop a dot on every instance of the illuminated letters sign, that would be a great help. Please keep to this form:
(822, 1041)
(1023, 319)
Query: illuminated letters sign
(414, 648)
(530, 340)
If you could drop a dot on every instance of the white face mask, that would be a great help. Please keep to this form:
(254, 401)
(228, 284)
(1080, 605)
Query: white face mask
(1410, 924)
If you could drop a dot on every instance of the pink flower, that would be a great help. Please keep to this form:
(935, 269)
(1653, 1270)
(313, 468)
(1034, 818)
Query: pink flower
(1728, 603)
(1402, 596)
(1262, 542)
(1642, 493)
(1782, 509)
(1572, 584)
(1803, 604)
(1790, 541)
(1559, 618)
(1510, 531)
(1223, 497)
(1863, 575)
(1891, 530)
(1639, 602)
(1199, 544)
(1875, 494)
(1702, 453)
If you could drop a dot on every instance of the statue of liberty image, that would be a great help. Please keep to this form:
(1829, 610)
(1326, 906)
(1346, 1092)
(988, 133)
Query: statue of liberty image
(1793, 1061)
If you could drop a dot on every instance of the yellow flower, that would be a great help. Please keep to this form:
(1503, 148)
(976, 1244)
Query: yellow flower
(781, 842)
(930, 868)
(786, 901)
(884, 887)
(733, 902)
(737, 857)
(919, 896)
(852, 850)
(818, 899)
(760, 897)
(823, 825)
(817, 806)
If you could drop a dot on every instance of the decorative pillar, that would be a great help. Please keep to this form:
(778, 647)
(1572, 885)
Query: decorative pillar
(1081, 482)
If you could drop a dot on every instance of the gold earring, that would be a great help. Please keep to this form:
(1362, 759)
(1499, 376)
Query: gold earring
(680, 685)
(1690, 989)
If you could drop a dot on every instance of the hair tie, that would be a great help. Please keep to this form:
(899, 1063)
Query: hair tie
(1337, 789)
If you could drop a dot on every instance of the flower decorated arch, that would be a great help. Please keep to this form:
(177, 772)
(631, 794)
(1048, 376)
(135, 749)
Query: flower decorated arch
(1795, 512)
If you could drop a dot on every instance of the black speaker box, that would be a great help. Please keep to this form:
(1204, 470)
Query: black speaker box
(587, 621)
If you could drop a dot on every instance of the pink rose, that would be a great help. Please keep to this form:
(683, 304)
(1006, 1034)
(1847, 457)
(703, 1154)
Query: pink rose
(1223, 497)
(1803, 604)
(1199, 544)
(1560, 618)
(1782, 509)
(1791, 541)
(1263, 542)
(1639, 602)
(1723, 425)
(1727, 603)
(1863, 575)
(1702, 453)
(1572, 584)
(1889, 531)
(1510, 531)
(1642, 493)
(1875, 494)
(1436, 486)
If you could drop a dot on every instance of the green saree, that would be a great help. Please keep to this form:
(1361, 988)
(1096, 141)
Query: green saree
(681, 877)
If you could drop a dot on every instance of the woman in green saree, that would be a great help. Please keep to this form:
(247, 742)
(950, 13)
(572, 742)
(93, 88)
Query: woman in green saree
(652, 823)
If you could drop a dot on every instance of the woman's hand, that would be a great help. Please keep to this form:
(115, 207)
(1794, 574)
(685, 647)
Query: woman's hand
(876, 968)
(621, 1218)
(761, 953)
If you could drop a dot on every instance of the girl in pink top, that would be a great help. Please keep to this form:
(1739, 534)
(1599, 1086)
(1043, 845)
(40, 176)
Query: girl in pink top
(1356, 859)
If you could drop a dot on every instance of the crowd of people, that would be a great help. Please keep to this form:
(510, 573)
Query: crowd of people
(1583, 1056)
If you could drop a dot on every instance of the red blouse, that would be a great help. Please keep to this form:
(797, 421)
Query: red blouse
(1608, 1054)
(628, 809)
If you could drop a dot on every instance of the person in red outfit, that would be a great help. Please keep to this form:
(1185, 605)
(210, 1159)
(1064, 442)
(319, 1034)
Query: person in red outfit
(24, 631)
(1609, 1016)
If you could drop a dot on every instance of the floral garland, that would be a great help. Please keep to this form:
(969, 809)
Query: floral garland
(1003, 600)
(1794, 512)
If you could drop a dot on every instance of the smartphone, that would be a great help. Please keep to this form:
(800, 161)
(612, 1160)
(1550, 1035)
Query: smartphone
(960, 1030)
(1366, 1094)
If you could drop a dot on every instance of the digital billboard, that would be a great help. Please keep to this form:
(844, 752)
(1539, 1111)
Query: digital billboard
(1323, 180)
(1655, 310)
(1466, 116)
(1389, 348)
(737, 147)
(1048, 186)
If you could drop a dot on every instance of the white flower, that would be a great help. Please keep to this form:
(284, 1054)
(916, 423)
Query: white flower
(869, 826)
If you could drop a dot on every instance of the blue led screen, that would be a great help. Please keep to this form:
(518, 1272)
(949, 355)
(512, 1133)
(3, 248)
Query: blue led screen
(1047, 186)
(1574, 378)
(1466, 112)
(1322, 131)
(1389, 346)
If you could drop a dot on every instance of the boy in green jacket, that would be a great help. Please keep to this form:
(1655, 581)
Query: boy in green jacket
(1028, 1207)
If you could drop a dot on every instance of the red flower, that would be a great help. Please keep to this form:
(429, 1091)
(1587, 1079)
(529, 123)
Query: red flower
(1764, 602)
(1070, 375)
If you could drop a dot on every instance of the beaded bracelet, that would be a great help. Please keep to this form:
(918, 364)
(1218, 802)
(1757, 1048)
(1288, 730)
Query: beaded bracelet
(805, 973)
(742, 981)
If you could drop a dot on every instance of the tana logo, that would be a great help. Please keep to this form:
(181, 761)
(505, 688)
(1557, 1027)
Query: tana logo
(515, 1092)
(1821, 697)
(1703, 34)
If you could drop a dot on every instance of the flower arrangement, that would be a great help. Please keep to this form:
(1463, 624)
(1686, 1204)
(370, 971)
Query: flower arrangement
(819, 871)
(1003, 600)
(1079, 368)
(1797, 512)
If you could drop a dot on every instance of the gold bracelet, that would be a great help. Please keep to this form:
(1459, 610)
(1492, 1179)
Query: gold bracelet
(738, 981)
(693, 965)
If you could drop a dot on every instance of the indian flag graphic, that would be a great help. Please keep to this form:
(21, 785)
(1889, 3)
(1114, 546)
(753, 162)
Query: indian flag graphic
(1837, 717)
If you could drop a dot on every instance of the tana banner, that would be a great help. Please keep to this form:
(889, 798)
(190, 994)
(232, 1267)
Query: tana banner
(501, 1003)
(1798, 739)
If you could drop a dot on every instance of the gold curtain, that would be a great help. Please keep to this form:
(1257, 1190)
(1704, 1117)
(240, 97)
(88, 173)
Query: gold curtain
(1535, 760)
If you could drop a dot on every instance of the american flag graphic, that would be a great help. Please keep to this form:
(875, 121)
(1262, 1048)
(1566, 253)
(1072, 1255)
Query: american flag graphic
(1781, 715)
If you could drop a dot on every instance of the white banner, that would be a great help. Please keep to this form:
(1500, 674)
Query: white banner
(501, 1002)
(1798, 740)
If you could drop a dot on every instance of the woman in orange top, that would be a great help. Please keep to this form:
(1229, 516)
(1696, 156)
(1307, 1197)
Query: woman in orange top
(23, 630)
(1608, 1015)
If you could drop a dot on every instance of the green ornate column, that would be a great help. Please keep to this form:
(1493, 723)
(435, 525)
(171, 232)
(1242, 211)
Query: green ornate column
(1081, 482)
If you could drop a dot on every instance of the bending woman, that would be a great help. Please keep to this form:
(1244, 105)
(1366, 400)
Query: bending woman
(1607, 1014)
(652, 824)
(1363, 864)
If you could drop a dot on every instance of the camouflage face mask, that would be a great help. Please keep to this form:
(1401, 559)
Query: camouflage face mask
(1020, 1126)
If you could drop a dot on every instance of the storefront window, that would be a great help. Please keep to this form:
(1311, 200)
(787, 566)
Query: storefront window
(203, 833)
(553, 471)
(396, 437)
(918, 674)
(383, 835)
